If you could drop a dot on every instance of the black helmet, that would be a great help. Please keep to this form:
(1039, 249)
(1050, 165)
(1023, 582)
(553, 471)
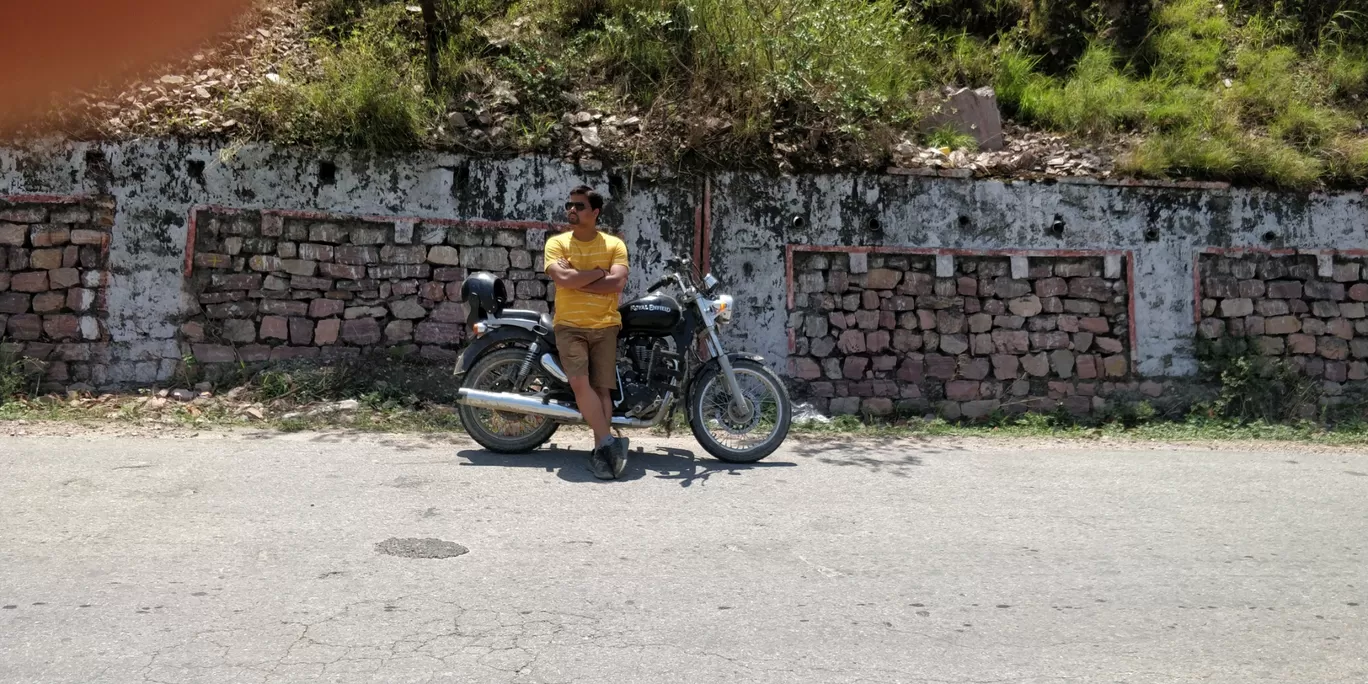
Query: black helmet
(483, 293)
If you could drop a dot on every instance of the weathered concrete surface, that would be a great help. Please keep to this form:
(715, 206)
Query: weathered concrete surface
(753, 221)
(254, 560)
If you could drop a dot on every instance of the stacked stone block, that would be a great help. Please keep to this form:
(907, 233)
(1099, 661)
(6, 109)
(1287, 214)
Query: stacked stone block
(878, 333)
(1306, 308)
(53, 275)
(273, 288)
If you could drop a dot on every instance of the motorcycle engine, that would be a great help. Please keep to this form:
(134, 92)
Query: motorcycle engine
(649, 368)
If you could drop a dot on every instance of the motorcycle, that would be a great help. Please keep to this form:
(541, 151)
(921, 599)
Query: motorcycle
(513, 394)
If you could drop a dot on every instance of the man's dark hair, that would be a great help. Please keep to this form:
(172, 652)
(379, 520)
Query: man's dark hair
(595, 199)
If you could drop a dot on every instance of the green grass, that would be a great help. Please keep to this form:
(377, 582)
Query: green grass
(1038, 427)
(948, 137)
(1135, 424)
(367, 93)
(1210, 100)
(127, 411)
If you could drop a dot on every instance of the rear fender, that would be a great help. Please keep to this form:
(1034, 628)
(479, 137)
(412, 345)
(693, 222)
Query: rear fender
(499, 337)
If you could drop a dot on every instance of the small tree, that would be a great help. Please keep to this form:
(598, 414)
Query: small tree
(431, 32)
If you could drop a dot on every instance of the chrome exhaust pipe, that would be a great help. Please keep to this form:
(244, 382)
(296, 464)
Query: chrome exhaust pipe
(517, 403)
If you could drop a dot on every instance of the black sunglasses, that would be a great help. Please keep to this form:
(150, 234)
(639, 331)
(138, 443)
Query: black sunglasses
(580, 206)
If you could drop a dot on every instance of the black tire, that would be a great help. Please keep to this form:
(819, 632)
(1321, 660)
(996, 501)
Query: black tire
(710, 381)
(481, 377)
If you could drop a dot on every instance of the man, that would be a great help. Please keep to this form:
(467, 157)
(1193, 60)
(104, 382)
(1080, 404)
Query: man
(589, 269)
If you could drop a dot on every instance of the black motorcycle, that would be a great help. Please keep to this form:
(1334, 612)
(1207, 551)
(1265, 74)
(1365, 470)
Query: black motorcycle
(514, 394)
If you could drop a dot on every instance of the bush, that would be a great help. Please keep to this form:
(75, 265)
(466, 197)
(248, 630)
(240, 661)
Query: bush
(18, 376)
(1253, 388)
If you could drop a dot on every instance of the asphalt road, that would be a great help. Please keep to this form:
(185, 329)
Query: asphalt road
(260, 558)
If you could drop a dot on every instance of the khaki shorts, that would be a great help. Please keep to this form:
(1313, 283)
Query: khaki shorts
(591, 353)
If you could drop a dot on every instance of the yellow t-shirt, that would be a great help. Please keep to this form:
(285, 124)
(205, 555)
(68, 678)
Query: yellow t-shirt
(588, 310)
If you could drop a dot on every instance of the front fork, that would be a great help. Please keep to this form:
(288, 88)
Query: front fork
(739, 406)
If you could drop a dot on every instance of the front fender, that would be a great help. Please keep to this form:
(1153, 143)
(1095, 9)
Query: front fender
(712, 363)
(499, 337)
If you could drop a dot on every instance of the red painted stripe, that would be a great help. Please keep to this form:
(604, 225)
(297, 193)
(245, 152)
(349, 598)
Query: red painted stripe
(1053, 253)
(698, 234)
(46, 199)
(1197, 288)
(480, 224)
(190, 232)
(706, 264)
(1236, 251)
(1130, 313)
(788, 277)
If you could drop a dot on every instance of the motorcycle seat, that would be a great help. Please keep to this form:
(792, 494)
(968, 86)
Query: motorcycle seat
(527, 315)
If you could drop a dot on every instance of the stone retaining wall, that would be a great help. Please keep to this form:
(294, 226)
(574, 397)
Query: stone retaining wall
(279, 286)
(1306, 308)
(54, 256)
(965, 336)
(740, 226)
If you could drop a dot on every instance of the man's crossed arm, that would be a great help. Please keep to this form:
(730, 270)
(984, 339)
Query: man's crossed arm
(596, 281)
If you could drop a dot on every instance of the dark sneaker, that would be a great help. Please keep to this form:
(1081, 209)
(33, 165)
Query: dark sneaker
(618, 453)
(600, 463)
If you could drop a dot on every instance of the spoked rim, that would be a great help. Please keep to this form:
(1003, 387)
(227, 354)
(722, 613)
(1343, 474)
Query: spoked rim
(500, 378)
(752, 428)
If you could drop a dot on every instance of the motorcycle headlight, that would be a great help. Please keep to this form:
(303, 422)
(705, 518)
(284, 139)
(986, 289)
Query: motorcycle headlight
(723, 307)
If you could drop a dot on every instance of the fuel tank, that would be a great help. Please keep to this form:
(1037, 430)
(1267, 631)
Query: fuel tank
(654, 314)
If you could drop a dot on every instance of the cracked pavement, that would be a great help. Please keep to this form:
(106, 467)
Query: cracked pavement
(251, 557)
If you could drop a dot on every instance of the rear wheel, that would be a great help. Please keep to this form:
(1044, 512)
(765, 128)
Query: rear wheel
(501, 431)
(742, 434)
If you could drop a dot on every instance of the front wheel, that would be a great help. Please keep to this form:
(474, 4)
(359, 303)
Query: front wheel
(740, 434)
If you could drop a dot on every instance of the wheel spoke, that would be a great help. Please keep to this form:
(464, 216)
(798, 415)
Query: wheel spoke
(502, 423)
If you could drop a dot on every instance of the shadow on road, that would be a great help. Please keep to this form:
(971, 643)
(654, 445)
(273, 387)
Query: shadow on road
(414, 441)
(664, 463)
(888, 455)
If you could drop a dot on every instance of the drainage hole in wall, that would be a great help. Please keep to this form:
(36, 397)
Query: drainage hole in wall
(195, 167)
(873, 225)
(1057, 226)
(617, 185)
(799, 222)
(327, 173)
(963, 220)
(1270, 236)
(1151, 235)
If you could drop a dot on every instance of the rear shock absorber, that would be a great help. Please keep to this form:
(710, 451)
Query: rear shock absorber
(526, 366)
